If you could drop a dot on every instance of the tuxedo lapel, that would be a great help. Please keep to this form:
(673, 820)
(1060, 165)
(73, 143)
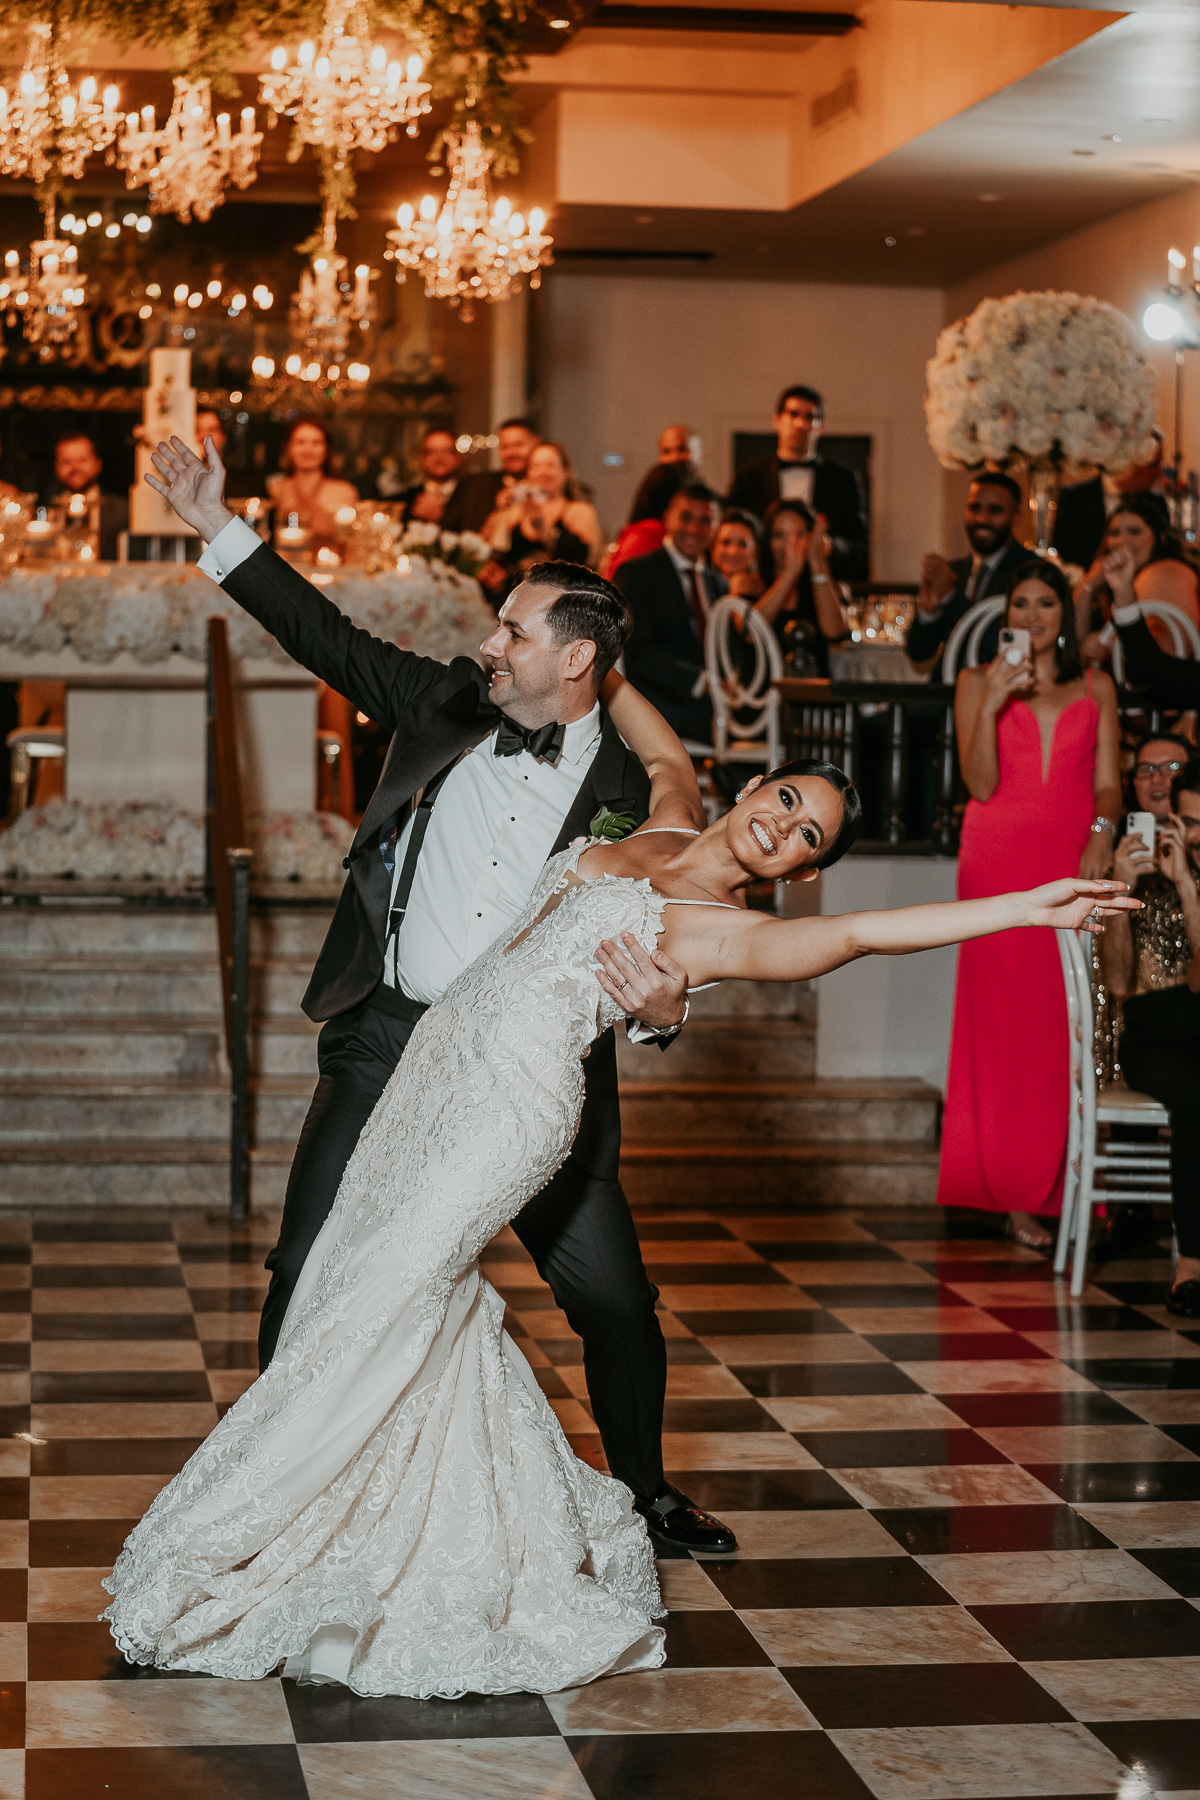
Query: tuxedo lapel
(611, 774)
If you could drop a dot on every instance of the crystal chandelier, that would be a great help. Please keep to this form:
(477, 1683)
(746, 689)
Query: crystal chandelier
(470, 250)
(45, 125)
(324, 315)
(52, 291)
(345, 95)
(191, 161)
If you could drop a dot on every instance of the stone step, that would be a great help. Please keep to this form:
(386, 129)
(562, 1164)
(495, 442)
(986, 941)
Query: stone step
(119, 1047)
(49, 987)
(93, 1111)
(143, 1172)
(856, 1174)
(90, 929)
(758, 1114)
(707, 1049)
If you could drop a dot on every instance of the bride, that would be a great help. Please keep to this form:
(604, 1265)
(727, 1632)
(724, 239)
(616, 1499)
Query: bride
(393, 1504)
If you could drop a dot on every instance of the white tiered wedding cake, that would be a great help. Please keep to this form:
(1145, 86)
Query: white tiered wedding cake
(168, 410)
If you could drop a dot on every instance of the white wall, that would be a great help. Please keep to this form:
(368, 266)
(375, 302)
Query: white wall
(887, 1015)
(624, 355)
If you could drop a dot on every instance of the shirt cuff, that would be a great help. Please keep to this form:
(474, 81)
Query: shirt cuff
(1127, 615)
(231, 547)
(637, 1033)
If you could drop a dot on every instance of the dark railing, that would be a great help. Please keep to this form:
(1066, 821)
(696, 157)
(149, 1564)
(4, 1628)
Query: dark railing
(227, 877)
(896, 742)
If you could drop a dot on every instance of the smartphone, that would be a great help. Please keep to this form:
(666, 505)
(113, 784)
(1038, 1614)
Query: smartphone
(1141, 824)
(1014, 644)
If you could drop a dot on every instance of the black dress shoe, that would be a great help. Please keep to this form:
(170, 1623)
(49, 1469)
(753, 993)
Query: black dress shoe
(1184, 1300)
(673, 1520)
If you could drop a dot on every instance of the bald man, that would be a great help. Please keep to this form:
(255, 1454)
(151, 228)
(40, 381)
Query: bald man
(675, 444)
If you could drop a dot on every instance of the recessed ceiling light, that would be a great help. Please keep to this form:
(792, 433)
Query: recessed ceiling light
(560, 24)
(1112, 137)
(1083, 153)
(989, 199)
(890, 242)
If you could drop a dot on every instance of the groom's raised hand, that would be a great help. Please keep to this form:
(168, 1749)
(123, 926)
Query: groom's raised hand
(650, 987)
(193, 486)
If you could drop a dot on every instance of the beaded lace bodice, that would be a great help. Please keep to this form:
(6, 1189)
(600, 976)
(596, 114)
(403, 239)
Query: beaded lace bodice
(393, 1503)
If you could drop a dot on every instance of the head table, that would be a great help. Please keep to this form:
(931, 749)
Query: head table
(128, 642)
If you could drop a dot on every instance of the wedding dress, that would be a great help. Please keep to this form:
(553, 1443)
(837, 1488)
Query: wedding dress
(393, 1504)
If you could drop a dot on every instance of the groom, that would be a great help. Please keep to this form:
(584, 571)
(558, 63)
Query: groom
(482, 782)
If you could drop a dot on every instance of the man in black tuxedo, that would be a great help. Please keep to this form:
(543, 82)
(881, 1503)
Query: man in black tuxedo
(949, 590)
(796, 472)
(78, 470)
(669, 593)
(476, 496)
(429, 497)
(482, 782)
(1085, 507)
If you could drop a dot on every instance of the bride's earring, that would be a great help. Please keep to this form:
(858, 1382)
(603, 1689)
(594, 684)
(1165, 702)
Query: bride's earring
(1062, 640)
(741, 796)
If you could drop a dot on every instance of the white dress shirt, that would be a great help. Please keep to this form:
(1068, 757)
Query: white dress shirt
(796, 481)
(493, 825)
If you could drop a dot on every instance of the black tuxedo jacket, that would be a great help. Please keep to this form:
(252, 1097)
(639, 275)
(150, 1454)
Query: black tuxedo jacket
(1081, 522)
(434, 712)
(927, 637)
(664, 654)
(472, 501)
(835, 493)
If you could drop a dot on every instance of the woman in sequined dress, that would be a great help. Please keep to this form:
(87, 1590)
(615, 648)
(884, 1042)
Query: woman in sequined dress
(1151, 961)
(1038, 746)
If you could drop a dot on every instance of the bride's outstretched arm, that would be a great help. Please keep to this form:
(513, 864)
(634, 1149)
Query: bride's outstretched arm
(755, 947)
(674, 793)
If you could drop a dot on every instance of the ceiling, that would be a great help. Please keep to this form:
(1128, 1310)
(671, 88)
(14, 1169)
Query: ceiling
(1029, 164)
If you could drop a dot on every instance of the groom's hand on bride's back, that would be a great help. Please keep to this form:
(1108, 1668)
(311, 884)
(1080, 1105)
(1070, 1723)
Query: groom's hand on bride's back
(194, 486)
(651, 988)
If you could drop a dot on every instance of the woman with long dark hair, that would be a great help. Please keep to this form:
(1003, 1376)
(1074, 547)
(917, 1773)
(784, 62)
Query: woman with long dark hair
(1157, 570)
(803, 604)
(1038, 743)
(306, 484)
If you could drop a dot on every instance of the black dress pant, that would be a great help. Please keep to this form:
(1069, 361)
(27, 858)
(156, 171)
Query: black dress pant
(1160, 1055)
(578, 1230)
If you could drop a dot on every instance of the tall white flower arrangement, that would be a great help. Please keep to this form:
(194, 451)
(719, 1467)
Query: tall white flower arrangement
(1051, 380)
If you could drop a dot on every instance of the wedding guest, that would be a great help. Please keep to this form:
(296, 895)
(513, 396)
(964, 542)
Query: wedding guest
(1153, 965)
(440, 462)
(645, 530)
(1085, 507)
(803, 605)
(1038, 745)
(796, 472)
(479, 495)
(240, 484)
(949, 590)
(677, 444)
(669, 594)
(79, 470)
(735, 553)
(306, 485)
(542, 520)
(1171, 681)
(1141, 526)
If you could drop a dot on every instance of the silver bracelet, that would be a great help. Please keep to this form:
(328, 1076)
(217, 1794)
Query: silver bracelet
(823, 578)
(1100, 823)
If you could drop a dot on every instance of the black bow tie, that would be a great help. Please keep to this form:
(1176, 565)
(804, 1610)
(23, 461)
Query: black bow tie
(808, 462)
(542, 741)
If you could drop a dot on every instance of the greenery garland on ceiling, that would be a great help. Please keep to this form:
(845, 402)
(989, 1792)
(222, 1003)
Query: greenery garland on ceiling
(472, 47)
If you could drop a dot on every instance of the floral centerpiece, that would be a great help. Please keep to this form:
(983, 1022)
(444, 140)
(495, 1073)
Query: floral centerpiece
(464, 551)
(152, 612)
(156, 840)
(1056, 382)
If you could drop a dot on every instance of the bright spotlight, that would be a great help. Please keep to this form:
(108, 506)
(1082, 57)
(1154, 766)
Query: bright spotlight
(1162, 322)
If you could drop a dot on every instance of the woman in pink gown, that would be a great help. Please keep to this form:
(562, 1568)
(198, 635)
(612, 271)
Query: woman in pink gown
(1038, 747)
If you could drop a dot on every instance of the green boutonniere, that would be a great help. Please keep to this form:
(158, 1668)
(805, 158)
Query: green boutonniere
(611, 825)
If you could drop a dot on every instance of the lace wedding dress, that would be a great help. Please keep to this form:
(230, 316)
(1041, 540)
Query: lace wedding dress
(393, 1503)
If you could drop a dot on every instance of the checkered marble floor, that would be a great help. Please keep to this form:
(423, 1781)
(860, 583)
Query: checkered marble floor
(969, 1514)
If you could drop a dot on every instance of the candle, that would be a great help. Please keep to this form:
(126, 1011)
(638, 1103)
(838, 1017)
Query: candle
(147, 118)
(1175, 262)
(223, 131)
(248, 121)
(362, 280)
